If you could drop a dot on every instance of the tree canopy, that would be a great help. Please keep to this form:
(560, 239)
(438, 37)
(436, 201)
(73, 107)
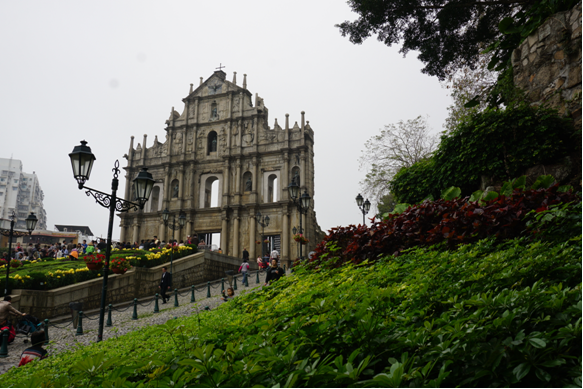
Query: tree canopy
(449, 34)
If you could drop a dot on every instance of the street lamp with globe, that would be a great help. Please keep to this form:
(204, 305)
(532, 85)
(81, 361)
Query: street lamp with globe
(82, 162)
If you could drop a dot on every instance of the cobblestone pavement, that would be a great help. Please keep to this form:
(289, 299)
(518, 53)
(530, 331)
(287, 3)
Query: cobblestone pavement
(62, 334)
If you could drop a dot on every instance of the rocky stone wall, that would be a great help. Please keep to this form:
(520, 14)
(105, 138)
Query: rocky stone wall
(547, 65)
(195, 269)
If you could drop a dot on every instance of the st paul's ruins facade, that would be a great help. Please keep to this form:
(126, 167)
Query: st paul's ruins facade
(223, 136)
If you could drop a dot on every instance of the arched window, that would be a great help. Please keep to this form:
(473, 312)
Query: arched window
(272, 189)
(174, 188)
(212, 142)
(296, 175)
(247, 182)
(211, 192)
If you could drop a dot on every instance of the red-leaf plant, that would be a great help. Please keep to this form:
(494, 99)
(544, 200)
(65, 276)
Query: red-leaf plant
(455, 222)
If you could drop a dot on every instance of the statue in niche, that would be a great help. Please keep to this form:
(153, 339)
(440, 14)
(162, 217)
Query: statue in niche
(175, 190)
(297, 159)
(296, 178)
(248, 185)
(214, 112)
(236, 104)
(248, 134)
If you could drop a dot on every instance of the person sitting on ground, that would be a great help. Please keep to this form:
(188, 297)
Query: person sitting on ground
(274, 272)
(229, 296)
(36, 350)
(7, 310)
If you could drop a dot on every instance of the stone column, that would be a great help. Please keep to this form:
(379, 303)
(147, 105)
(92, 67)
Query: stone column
(188, 227)
(252, 225)
(135, 236)
(167, 195)
(161, 231)
(285, 239)
(285, 178)
(225, 235)
(255, 182)
(303, 172)
(181, 186)
(236, 250)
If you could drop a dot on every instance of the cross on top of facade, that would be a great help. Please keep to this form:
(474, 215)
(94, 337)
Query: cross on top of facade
(221, 66)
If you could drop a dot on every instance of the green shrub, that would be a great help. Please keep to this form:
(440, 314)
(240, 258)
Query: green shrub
(484, 315)
(499, 144)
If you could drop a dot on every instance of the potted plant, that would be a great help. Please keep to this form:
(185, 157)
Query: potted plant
(300, 238)
(94, 261)
(257, 242)
(3, 262)
(15, 263)
(120, 265)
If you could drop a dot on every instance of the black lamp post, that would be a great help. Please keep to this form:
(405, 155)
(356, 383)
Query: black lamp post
(82, 161)
(173, 227)
(302, 204)
(263, 222)
(363, 206)
(10, 233)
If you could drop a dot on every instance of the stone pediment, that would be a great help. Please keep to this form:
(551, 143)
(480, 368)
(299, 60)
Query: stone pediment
(215, 85)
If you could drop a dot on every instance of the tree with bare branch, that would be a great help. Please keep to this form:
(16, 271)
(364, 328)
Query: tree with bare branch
(398, 145)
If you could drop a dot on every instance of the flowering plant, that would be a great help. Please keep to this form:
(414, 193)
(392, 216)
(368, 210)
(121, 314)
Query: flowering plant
(15, 263)
(94, 259)
(266, 241)
(3, 262)
(121, 263)
(300, 238)
(257, 242)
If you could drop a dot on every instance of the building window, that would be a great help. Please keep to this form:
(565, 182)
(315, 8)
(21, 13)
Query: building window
(212, 142)
(272, 189)
(247, 182)
(174, 187)
(211, 192)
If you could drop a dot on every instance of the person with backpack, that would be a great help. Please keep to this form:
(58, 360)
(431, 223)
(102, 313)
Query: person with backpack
(7, 310)
(244, 268)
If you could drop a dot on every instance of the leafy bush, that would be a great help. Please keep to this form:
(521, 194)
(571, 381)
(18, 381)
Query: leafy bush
(483, 315)
(451, 222)
(499, 144)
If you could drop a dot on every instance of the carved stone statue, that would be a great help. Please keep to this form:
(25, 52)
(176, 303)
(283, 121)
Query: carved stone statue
(248, 185)
(175, 190)
(189, 141)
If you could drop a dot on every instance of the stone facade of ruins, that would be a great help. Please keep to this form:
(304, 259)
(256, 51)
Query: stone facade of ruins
(223, 135)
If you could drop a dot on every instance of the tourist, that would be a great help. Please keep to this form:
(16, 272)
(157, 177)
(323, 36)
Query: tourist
(274, 272)
(165, 284)
(230, 294)
(220, 251)
(74, 255)
(260, 263)
(7, 310)
(188, 240)
(244, 268)
(90, 249)
(101, 245)
(36, 350)
(201, 244)
(181, 244)
(275, 255)
(84, 246)
(245, 254)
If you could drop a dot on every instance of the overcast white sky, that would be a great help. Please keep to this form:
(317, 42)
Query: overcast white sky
(103, 71)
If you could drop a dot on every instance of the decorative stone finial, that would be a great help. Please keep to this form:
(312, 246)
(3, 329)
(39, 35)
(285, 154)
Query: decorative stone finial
(190, 88)
(235, 78)
(244, 81)
(287, 121)
(200, 81)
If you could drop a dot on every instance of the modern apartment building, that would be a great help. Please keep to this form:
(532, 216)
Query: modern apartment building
(20, 192)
